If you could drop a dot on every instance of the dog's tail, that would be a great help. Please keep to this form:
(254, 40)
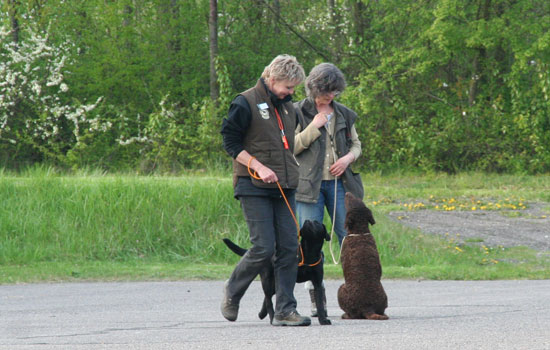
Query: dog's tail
(235, 248)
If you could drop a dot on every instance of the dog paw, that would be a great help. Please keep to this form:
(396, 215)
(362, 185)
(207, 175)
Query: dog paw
(325, 322)
(376, 317)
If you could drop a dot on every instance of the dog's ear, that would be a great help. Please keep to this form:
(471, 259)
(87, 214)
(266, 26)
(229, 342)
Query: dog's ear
(327, 236)
(370, 217)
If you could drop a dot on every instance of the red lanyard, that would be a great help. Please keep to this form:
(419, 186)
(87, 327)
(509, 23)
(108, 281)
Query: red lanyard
(280, 122)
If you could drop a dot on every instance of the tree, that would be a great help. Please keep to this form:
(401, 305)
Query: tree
(438, 84)
(13, 7)
(213, 38)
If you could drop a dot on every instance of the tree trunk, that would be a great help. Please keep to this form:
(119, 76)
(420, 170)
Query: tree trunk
(277, 8)
(335, 21)
(128, 13)
(213, 26)
(12, 8)
(479, 59)
(359, 18)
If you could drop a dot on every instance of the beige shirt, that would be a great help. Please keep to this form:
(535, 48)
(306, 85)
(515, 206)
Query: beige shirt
(311, 133)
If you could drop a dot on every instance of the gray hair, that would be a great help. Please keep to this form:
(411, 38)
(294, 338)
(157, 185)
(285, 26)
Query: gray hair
(285, 67)
(323, 79)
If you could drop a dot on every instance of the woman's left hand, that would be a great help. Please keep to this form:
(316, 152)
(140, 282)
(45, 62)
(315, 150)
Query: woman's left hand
(338, 168)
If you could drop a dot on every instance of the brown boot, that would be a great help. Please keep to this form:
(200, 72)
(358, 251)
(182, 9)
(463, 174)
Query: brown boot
(229, 309)
(292, 319)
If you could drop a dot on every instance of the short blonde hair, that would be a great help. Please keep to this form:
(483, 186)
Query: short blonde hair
(284, 67)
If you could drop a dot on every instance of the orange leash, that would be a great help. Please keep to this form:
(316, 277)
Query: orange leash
(255, 176)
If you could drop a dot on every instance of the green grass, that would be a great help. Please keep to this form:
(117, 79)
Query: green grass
(94, 226)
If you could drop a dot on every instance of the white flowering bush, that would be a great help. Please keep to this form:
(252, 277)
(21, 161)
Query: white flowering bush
(38, 118)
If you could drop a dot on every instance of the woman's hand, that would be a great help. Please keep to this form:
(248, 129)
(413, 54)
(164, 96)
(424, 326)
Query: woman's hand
(338, 168)
(319, 120)
(267, 175)
(264, 173)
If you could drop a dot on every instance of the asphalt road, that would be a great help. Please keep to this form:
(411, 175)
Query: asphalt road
(185, 315)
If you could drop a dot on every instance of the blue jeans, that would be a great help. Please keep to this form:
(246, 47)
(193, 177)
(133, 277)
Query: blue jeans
(316, 211)
(273, 236)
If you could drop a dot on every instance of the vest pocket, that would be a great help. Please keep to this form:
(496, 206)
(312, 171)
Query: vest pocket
(263, 156)
(305, 186)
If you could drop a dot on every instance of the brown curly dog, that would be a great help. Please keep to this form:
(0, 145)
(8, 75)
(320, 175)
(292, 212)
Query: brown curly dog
(362, 295)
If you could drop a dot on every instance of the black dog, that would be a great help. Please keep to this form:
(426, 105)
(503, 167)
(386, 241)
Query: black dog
(310, 268)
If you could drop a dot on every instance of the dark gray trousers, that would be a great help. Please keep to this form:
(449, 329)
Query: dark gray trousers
(273, 235)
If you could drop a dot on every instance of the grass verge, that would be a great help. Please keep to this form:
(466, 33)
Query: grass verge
(100, 227)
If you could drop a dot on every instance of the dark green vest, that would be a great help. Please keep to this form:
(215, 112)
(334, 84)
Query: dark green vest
(263, 138)
(312, 159)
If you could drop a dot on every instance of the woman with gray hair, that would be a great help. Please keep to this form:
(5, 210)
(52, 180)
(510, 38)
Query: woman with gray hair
(326, 143)
(259, 135)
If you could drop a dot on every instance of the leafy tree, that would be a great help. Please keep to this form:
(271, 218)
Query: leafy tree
(438, 84)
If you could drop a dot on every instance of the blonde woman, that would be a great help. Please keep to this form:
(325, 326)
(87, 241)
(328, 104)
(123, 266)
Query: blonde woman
(259, 135)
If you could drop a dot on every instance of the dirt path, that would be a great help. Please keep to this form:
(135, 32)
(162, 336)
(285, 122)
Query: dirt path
(528, 227)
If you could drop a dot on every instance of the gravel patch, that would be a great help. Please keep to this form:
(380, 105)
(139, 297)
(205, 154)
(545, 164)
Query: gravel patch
(528, 227)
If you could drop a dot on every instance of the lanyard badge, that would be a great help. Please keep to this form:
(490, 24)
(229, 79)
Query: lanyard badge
(283, 136)
(264, 110)
(264, 113)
